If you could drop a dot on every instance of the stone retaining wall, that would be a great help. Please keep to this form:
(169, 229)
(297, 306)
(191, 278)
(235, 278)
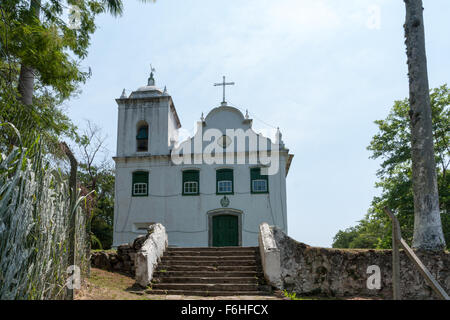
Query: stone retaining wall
(334, 272)
(120, 260)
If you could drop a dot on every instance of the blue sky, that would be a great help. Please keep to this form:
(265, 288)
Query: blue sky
(321, 70)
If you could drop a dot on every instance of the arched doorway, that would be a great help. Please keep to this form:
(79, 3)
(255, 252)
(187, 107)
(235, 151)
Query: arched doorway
(225, 228)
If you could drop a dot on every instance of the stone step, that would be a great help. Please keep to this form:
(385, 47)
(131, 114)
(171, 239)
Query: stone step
(182, 253)
(200, 293)
(233, 287)
(210, 280)
(208, 258)
(211, 249)
(213, 271)
(219, 268)
(220, 274)
(209, 263)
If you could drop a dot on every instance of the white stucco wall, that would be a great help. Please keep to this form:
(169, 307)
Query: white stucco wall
(186, 218)
(156, 113)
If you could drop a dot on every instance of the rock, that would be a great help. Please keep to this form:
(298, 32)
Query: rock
(113, 259)
(118, 266)
(122, 260)
(100, 260)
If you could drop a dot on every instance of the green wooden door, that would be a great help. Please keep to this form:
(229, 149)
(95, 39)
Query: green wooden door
(225, 231)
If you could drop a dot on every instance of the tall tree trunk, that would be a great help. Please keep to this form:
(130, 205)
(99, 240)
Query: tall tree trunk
(26, 77)
(428, 233)
(26, 85)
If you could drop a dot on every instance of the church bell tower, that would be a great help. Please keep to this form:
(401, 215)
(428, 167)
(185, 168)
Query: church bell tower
(147, 123)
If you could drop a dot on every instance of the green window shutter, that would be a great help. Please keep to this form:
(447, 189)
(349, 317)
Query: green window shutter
(191, 176)
(224, 175)
(255, 174)
(140, 178)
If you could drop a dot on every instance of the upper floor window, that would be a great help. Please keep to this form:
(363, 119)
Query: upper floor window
(191, 185)
(224, 181)
(140, 184)
(142, 138)
(259, 183)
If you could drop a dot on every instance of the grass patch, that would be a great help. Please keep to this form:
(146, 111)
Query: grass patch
(108, 251)
(293, 296)
(104, 285)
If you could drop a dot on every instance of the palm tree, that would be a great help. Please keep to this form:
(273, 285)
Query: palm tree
(428, 233)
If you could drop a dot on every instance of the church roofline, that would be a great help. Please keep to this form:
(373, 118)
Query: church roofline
(175, 114)
(233, 109)
(288, 162)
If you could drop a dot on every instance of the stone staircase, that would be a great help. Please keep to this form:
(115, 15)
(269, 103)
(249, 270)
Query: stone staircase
(225, 271)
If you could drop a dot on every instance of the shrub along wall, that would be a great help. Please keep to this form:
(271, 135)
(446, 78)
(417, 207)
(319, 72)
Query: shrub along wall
(310, 270)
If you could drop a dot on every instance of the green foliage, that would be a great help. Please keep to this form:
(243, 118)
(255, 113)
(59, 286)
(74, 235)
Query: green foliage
(100, 205)
(292, 296)
(46, 44)
(95, 242)
(34, 34)
(103, 212)
(34, 227)
(392, 145)
(364, 235)
(97, 177)
(45, 118)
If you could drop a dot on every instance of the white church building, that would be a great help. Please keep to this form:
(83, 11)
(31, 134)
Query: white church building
(213, 189)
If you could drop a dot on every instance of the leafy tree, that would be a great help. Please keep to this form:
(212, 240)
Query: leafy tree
(40, 58)
(98, 176)
(365, 235)
(392, 145)
(101, 204)
(43, 42)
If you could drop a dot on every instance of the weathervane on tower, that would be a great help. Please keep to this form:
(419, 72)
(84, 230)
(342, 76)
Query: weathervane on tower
(224, 103)
(151, 79)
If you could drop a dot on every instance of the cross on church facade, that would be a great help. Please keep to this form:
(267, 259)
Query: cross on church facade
(224, 84)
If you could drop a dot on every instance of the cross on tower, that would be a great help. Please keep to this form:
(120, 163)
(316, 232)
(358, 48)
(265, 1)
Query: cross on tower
(224, 84)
